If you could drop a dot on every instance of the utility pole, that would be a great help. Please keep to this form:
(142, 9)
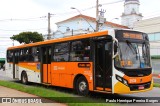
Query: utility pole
(49, 27)
(100, 20)
(97, 13)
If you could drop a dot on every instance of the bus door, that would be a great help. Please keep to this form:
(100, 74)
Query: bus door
(46, 64)
(103, 65)
(15, 64)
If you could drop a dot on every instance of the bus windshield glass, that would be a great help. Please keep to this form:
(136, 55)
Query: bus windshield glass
(133, 55)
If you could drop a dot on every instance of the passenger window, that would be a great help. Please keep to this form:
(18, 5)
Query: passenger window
(34, 54)
(16, 56)
(80, 50)
(23, 54)
(61, 52)
(9, 56)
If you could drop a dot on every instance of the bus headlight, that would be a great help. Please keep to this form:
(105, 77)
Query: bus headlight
(119, 78)
(125, 82)
(122, 80)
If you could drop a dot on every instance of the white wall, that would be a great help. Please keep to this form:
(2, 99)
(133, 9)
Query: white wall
(151, 25)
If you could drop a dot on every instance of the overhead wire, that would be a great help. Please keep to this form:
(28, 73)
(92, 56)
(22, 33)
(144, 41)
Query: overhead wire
(92, 7)
(23, 29)
(57, 14)
(23, 19)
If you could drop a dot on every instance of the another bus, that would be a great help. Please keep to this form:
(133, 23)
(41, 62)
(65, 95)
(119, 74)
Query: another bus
(111, 61)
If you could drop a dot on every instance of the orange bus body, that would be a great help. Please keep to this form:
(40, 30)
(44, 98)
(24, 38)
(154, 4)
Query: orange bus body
(68, 73)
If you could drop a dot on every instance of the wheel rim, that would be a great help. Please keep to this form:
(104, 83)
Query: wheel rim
(82, 86)
(24, 79)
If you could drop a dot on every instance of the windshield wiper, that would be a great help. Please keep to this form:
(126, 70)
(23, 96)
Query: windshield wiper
(136, 51)
(132, 48)
(120, 52)
(145, 51)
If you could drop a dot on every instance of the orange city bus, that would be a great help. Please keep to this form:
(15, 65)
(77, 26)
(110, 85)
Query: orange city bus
(111, 61)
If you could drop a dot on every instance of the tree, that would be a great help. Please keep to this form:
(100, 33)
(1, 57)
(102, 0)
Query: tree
(28, 37)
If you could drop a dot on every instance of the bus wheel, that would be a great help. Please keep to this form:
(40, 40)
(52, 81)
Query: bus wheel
(82, 86)
(24, 78)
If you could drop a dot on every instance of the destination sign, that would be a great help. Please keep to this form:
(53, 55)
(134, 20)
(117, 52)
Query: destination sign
(132, 35)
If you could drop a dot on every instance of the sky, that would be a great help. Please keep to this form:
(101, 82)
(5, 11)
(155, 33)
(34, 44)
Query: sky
(31, 15)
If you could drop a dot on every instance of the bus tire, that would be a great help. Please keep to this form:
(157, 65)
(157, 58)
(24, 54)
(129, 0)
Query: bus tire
(24, 78)
(81, 86)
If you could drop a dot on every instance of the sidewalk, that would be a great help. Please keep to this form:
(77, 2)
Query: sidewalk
(156, 78)
(7, 92)
(156, 75)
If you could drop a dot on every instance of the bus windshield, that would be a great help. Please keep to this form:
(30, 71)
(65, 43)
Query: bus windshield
(133, 55)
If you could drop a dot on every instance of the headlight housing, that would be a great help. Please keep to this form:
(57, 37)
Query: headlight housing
(122, 80)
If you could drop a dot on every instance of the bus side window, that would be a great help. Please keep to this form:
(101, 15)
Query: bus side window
(30, 56)
(80, 50)
(61, 52)
(16, 56)
(35, 54)
(23, 55)
(9, 56)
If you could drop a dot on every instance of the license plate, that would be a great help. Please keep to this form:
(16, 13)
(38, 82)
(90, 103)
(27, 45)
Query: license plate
(141, 87)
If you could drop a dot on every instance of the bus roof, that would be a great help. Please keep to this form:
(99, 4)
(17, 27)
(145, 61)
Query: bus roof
(95, 34)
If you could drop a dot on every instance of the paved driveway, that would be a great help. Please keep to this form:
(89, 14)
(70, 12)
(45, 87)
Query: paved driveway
(7, 93)
(3, 75)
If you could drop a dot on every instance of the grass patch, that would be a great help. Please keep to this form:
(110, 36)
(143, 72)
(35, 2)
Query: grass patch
(61, 97)
(155, 57)
(156, 85)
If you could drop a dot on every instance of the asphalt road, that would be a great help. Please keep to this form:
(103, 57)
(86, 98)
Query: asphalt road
(3, 76)
(153, 93)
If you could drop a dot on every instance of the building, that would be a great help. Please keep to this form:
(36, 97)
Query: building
(81, 24)
(131, 13)
(152, 28)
